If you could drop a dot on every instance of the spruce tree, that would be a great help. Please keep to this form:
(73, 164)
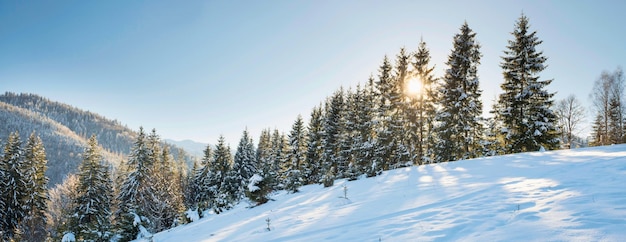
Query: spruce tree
(352, 140)
(423, 106)
(459, 122)
(34, 223)
(331, 138)
(244, 164)
(134, 192)
(205, 189)
(385, 145)
(314, 151)
(367, 126)
(225, 186)
(94, 194)
(261, 184)
(295, 158)
(399, 111)
(278, 154)
(12, 187)
(525, 104)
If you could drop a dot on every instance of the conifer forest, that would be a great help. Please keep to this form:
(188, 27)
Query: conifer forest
(116, 184)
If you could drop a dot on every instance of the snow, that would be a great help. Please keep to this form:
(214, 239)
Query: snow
(69, 237)
(254, 180)
(568, 195)
(193, 215)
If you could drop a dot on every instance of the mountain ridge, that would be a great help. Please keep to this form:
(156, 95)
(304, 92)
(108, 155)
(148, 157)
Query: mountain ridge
(64, 130)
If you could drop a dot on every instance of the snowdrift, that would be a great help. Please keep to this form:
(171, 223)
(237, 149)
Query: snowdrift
(570, 195)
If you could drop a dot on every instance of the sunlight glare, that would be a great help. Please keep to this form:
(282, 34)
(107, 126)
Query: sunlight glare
(414, 86)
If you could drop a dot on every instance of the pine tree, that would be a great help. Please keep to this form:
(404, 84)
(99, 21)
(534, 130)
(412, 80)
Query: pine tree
(13, 191)
(279, 149)
(353, 140)
(295, 158)
(529, 123)
(191, 188)
(311, 172)
(385, 140)
(262, 183)
(244, 164)
(423, 106)
(459, 122)
(367, 141)
(135, 191)
(332, 129)
(206, 192)
(399, 111)
(226, 187)
(35, 205)
(93, 202)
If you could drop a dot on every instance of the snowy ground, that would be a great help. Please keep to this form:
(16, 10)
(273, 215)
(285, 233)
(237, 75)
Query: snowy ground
(572, 195)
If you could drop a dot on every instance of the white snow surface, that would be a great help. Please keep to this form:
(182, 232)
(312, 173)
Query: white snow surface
(569, 195)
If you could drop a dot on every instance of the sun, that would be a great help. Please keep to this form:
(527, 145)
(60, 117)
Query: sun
(414, 86)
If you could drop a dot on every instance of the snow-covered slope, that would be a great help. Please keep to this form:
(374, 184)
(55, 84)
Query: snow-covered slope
(571, 195)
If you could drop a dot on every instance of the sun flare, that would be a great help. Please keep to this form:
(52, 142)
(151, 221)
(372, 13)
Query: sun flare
(414, 86)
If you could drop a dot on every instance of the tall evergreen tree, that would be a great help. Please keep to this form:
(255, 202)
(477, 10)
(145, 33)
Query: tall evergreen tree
(352, 140)
(135, 192)
(459, 122)
(385, 140)
(226, 188)
(35, 205)
(244, 164)
(397, 125)
(529, 123)
(367, 126)
(205, 188)
(332, 127)
(311, 172)
(423, 105)
(295, 158)
(263, 182)
(93, 202)
(13, 190)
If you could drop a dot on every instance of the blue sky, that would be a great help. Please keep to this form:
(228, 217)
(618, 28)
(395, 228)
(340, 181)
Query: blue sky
(198, 69)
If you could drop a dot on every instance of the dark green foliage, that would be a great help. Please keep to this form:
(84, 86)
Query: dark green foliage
(294, 165)
(244, 164)
(333, 128)
(226, 189)
(13, 190)
(34, 223)
(459, 124)
(202, 184)
(525, 104)
(93, 204)
(135, 191)
(311, 171)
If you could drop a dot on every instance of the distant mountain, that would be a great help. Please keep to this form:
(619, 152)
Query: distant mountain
(64, 130)
(192, 147)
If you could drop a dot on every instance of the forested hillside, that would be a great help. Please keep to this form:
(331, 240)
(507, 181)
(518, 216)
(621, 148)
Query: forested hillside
(64, 131)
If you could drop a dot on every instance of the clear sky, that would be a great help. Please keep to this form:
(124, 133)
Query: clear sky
(198, 69)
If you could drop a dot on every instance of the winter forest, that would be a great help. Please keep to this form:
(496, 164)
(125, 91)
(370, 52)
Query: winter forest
(403, 116)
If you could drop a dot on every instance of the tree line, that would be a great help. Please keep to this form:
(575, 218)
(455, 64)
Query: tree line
(403, 116)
